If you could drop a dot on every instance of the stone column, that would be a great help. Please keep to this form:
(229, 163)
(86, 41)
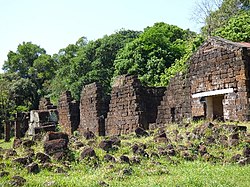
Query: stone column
(18, 126)
(209, 102)
(7, 131)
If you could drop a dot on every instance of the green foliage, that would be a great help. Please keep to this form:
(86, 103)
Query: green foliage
(162, 170)
(21, 60)
(237, 28)
(29, 71)
(152, 53)
(6, 103)
(181, 65)
(220, 17)
(88, 62)
(23, 92)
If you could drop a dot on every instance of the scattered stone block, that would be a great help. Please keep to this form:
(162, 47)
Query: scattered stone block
(22, 160)
(109, 158)
(54, 146)
(125, 159)
(17, 143)
(88, 153)
(33, 168)
(141, 132)
(106, 145)
(42, 158)
(4, 173)
(17, 181)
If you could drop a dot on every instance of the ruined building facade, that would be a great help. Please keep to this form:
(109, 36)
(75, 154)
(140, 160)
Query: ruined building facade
(219, 75)
(43, 120)
(215, 86)
(131, 105)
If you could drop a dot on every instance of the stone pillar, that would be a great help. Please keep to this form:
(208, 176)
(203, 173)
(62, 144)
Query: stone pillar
(7, 131)
(69, 113)
(18, 126)
(209, 102)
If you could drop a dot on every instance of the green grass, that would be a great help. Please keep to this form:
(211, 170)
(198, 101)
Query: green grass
(184, 174)
(151, 172)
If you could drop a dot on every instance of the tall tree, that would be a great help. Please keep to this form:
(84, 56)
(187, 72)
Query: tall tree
(237, 28)
(23, 59)
(216, 13)
(85, 62)
(31, 67)
(6, 103)
(156, 49)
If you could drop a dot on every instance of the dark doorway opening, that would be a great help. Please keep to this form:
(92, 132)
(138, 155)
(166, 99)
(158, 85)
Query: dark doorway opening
(172, 115)
(218, 107)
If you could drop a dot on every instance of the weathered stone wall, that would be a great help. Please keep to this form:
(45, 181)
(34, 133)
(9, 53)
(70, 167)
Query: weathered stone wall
(217, 65)
(93, 109)
(69, 114)
(152, 97)
(175, 105)
(131, 105)
(21, 124)
(45, 104)
(42, 121)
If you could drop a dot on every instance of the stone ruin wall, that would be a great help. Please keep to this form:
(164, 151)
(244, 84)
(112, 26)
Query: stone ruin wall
(152, 97)
(45, 104)
(69, 114)
(217, 65)
(176, 103)
(93, 109)
(126, 111)
(43, 120)
(131, 105)
(21, 124)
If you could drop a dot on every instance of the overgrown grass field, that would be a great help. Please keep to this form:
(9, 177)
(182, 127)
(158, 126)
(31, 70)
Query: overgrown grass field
(156, 169)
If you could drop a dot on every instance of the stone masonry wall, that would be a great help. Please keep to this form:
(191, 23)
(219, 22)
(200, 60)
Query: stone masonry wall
(175, 105)
(45, 104)
(220, 64)
(152, 98)
(42, 121)
(93, 109)
(69, 114)
(126, 112)
(131, 105)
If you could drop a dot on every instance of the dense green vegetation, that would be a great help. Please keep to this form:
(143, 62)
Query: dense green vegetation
(219, 17)
(155, 54)
(154, 51)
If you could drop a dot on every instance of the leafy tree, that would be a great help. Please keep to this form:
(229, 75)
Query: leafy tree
(216, 13)
(24, 93)
(181, 65)
(88, 62)
(237, 28)
(28, 69)
(5, 101)
(20, 61)
(42, 72)
(155, 50)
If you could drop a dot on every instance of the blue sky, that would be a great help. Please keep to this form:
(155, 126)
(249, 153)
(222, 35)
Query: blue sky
(53, 24)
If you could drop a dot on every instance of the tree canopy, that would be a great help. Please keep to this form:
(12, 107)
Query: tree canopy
(237, 28)
(155, 50)
(27, 70)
